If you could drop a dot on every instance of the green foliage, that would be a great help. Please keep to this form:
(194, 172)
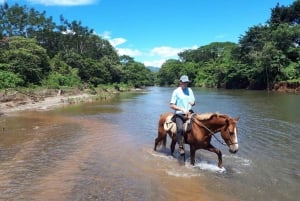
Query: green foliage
(56, 80)
(265, 55)
(60, 55)
(169, 73)
(285, 14)
(9, 80)
(21, 21)
(27, 59)
(206, 66)
(35, 51)
(292, 71)
(136, 74)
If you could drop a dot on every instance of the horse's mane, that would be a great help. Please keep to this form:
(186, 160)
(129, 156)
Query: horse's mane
(207, 116)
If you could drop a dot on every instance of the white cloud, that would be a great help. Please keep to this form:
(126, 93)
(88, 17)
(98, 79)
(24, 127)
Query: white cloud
(154, 57)
(63, 2)
(155, 63)
(2, 1)
(117, 41)
(169, 52)
(113, 41)
(165, 51)
(105, 35)
(129, 52)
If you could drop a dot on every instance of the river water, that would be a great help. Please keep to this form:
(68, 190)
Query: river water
(104, 151)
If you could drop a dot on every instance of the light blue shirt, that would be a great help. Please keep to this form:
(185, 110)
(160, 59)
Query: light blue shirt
(181, 98)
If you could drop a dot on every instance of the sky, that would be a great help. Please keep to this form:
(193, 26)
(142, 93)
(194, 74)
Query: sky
(153, 31)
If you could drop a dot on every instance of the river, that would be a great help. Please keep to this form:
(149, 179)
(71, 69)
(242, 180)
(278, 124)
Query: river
(104, 151)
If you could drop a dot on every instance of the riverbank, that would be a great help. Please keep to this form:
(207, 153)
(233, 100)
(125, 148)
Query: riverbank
(44, 104)
(16, 101)
(290, 87)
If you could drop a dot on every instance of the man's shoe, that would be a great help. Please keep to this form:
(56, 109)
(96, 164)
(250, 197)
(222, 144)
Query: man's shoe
(181, 151)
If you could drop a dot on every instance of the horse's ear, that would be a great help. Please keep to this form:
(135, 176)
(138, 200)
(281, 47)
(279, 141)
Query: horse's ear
(237, 118)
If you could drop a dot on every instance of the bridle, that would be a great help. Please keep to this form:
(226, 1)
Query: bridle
(213, 133)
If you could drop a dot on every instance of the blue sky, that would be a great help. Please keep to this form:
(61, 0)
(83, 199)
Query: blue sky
(152, 31)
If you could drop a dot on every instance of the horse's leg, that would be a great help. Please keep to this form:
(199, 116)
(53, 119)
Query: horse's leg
(184, 157)
(172, 146)
(156, 143)
(218, 152)
(193, 154)
(165, 141)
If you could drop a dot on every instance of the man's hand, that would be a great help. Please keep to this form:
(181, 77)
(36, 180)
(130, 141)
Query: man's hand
(185, 111)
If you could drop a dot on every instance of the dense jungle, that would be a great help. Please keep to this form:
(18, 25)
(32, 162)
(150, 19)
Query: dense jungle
(35, 52)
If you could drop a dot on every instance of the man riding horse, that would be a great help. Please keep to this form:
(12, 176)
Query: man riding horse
(200, 128)
(181, 102)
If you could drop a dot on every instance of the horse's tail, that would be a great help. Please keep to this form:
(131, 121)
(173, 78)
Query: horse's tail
(162, 142)
(162, 133)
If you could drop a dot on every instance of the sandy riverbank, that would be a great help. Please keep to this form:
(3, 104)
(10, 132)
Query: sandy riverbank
(47, 103)
(15, 101)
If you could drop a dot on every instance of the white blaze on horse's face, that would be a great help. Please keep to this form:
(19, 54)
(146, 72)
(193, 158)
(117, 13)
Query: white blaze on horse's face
(234, 146)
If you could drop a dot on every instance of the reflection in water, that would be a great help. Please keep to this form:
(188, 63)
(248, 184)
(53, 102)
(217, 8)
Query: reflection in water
(103, 151)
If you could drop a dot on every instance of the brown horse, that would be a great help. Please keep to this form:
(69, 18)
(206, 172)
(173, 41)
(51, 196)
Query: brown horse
(198, 135)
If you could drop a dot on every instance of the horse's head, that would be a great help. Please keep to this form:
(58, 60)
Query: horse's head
(229, 134)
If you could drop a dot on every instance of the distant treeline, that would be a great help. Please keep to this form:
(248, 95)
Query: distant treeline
(35, 51)
(265, 55)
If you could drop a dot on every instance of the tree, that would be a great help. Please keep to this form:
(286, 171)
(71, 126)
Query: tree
(76, 53)
(21, 21)
(61, 74)
(9, 80)
(285, 14)
(135, 73)
(27, 59)
(169, 73)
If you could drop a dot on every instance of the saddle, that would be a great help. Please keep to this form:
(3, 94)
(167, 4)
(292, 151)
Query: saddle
(170, 124)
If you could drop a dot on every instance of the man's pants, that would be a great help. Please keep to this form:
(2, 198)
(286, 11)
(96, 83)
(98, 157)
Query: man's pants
(179, 126)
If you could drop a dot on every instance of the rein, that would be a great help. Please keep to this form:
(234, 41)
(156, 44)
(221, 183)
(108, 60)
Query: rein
(211, 132)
